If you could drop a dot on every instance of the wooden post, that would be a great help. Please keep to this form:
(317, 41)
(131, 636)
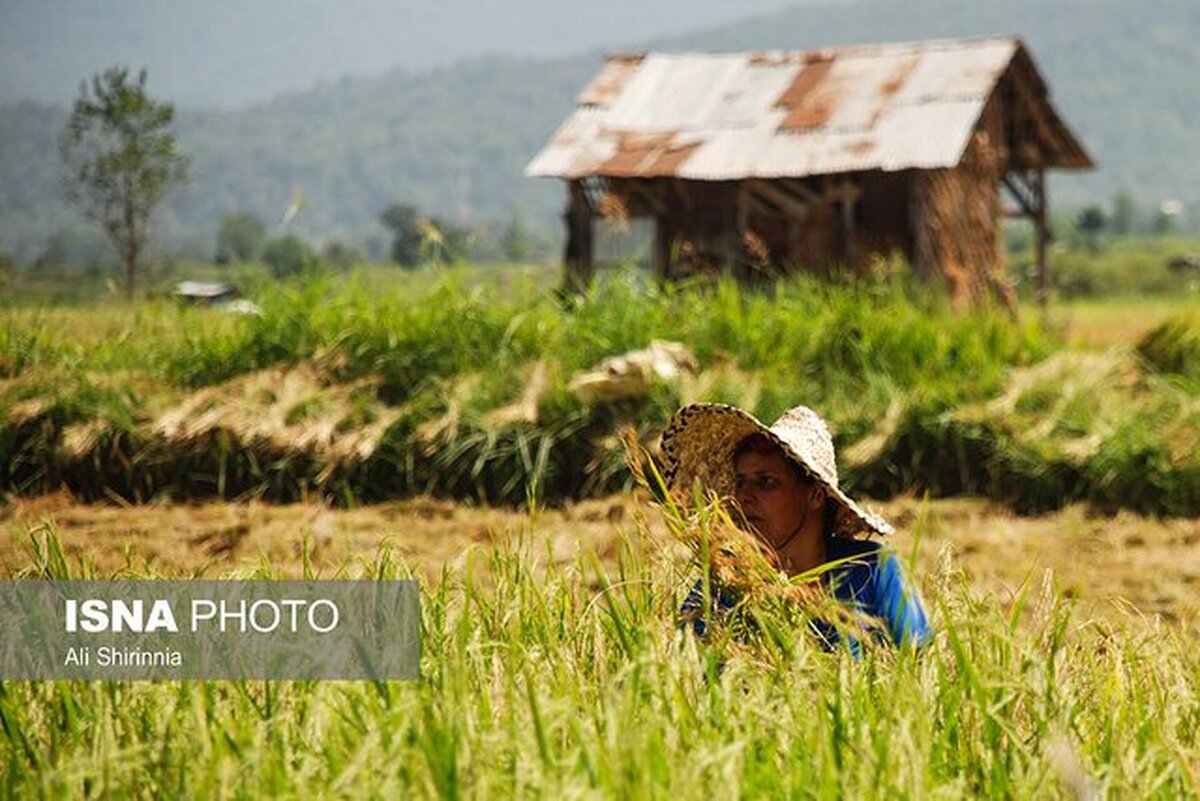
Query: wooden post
(1043, 235)
(736, 261)
(793, 246)
(848, 228)
(577, 259)
(663, 236)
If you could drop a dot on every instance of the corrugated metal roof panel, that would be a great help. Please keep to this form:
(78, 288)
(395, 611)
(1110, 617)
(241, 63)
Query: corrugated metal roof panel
(671, 93)
(946, 73)
(729, 155)
(610, 81)
(904, 138)
(575, 148)
(926, 137)
(731, 116)
(744, 101)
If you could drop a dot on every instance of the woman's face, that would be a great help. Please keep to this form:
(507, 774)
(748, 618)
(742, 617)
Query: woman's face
(771, 495)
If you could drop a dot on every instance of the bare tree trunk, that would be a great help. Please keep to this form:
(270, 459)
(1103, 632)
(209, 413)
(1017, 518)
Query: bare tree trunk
(131, 257)
(130, 251)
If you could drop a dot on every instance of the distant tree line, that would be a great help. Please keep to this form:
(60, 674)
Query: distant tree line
(1095, 224)
(413, 239)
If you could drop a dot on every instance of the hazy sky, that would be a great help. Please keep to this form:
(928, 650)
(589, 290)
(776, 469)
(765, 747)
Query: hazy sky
(238, 52)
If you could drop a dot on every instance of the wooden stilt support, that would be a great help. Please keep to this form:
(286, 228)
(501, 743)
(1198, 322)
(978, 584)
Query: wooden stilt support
(736, 261)
(1043, 236)
(577, 259)
(664, 236)
(848, 229)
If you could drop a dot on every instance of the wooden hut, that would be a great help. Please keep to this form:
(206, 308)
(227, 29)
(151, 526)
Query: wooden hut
(768, 162)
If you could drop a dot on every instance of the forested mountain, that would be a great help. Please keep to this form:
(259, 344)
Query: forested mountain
(455, 140)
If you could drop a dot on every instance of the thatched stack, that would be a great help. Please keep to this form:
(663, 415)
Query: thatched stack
(958, 231)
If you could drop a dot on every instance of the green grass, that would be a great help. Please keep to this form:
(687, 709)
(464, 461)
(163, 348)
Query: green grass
(846, 351)
(1101, 323)
(1173, 348)
(888, 363)
(548, 680)
(1136, 265)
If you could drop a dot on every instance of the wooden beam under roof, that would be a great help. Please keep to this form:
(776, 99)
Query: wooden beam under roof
(784, 201)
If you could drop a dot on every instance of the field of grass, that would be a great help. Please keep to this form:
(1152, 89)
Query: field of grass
(552, 664)
(1127, 266)
(550, 674)
(357, 393)
(1101, 323)
(1104, 562)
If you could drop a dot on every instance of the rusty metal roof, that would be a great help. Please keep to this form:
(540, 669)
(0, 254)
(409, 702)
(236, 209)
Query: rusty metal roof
(787, 114)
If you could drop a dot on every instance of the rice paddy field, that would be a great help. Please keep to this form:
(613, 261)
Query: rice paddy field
(1045, 479)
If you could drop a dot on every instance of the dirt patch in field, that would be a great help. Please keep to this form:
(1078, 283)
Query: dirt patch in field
(216, 539)
(1107, 563)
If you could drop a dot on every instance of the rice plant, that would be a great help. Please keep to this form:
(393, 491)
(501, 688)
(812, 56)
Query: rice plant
(429, 391)
(575, 680)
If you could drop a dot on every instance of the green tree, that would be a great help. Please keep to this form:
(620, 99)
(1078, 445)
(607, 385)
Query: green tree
(444, 242)
(288, 255)
(71, 246)
(515, 240)
(240, 238)
(417, 239)
(1091, 222)
(120, 157)
(1167, 217)
(339, 255)
(403, 221)
(1124, 216)
(8, 269)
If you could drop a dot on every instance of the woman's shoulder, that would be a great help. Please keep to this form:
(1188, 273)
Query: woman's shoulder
(844, 548)
(859, 567)
(868, 560)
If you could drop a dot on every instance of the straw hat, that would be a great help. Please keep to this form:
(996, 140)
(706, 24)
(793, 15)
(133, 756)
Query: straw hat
(700, 440)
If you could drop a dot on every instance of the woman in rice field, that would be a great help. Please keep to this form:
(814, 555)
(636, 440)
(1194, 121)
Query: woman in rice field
(784, 480)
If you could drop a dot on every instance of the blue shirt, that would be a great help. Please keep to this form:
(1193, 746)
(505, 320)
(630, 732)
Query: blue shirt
(870, 580)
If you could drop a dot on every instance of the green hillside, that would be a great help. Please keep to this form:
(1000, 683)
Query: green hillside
(455, 140)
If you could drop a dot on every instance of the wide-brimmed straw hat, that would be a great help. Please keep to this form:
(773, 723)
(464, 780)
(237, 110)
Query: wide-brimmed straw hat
(700, 440)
